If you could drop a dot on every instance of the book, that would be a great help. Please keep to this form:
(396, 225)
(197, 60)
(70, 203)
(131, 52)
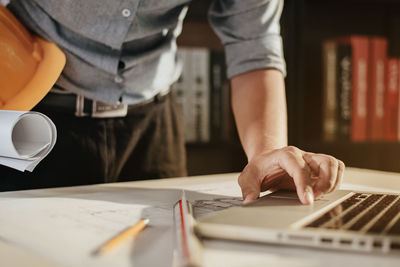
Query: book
(179, 87)
(203, 95)
(345, 62)
(390, 94)
(26, 138)
(376, 90)
(229, 132)
(344, 90)
(329, 91)
(391, 117)
(193, 93)
(200, 60)
(221, 115)
(360, 46)
(217, 81)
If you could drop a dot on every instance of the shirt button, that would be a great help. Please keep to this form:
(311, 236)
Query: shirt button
(121, 65)
(118, 79)
(126, 12)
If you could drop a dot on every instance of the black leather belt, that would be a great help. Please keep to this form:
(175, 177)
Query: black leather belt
(84, 107)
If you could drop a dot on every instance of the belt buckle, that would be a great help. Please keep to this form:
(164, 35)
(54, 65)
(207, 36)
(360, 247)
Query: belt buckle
(100, 109)
(79, 106)
(103, 110)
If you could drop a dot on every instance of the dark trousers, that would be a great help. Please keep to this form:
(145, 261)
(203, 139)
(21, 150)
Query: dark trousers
(146, 144)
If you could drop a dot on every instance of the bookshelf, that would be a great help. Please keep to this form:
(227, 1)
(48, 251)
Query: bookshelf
(215, 156)
(305, 24)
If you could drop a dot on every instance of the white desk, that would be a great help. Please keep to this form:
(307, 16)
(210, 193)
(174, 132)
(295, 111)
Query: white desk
(62, 226)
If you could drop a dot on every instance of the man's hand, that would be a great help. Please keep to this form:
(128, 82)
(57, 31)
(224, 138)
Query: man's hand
(259, 106)
(311, 175)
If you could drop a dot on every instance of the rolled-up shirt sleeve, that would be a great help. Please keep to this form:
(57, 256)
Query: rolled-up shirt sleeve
(250, 32)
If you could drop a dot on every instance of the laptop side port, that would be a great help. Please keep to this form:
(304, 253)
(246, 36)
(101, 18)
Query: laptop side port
(299, 238)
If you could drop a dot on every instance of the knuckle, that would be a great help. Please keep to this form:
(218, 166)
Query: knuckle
(291, 152)
(332, 161)
(292, 149)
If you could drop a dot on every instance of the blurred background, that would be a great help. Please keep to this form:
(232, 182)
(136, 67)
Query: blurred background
(343, 62)
(342, 84)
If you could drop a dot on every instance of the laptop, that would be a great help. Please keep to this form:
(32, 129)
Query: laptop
(344, 220)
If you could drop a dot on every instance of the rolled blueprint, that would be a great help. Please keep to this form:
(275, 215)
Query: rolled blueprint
(26, 137)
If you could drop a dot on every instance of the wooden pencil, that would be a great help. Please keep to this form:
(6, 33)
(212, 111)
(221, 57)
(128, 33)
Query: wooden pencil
(132, 231)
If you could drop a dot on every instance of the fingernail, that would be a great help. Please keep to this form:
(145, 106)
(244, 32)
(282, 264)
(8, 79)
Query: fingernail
(247, 199)
(309, 195)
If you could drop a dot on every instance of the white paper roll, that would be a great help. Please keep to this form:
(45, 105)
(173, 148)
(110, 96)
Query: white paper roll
(26, 137)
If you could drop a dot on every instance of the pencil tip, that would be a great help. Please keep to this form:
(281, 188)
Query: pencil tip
(95, 253)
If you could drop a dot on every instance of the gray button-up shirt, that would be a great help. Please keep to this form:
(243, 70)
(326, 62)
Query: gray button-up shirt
(126, 49)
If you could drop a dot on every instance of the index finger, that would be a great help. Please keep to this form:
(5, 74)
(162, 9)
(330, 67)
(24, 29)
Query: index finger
(291, 160)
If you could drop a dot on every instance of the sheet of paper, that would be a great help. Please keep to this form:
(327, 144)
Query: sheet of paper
(75, 221)
(77, 224)
(26, 137)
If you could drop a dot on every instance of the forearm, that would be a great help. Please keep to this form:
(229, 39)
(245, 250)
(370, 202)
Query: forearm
(259, 107)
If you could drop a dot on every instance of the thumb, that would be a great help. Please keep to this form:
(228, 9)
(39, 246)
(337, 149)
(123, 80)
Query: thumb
(249, 185)
(250, 197)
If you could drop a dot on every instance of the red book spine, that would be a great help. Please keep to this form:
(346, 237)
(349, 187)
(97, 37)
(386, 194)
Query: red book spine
(359, 88)
(377, 53)
(392, 99)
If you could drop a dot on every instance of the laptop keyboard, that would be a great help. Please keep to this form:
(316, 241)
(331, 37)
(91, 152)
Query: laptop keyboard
(369, 213)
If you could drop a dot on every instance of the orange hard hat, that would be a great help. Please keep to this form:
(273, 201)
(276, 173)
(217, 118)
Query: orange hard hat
(29, 65)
